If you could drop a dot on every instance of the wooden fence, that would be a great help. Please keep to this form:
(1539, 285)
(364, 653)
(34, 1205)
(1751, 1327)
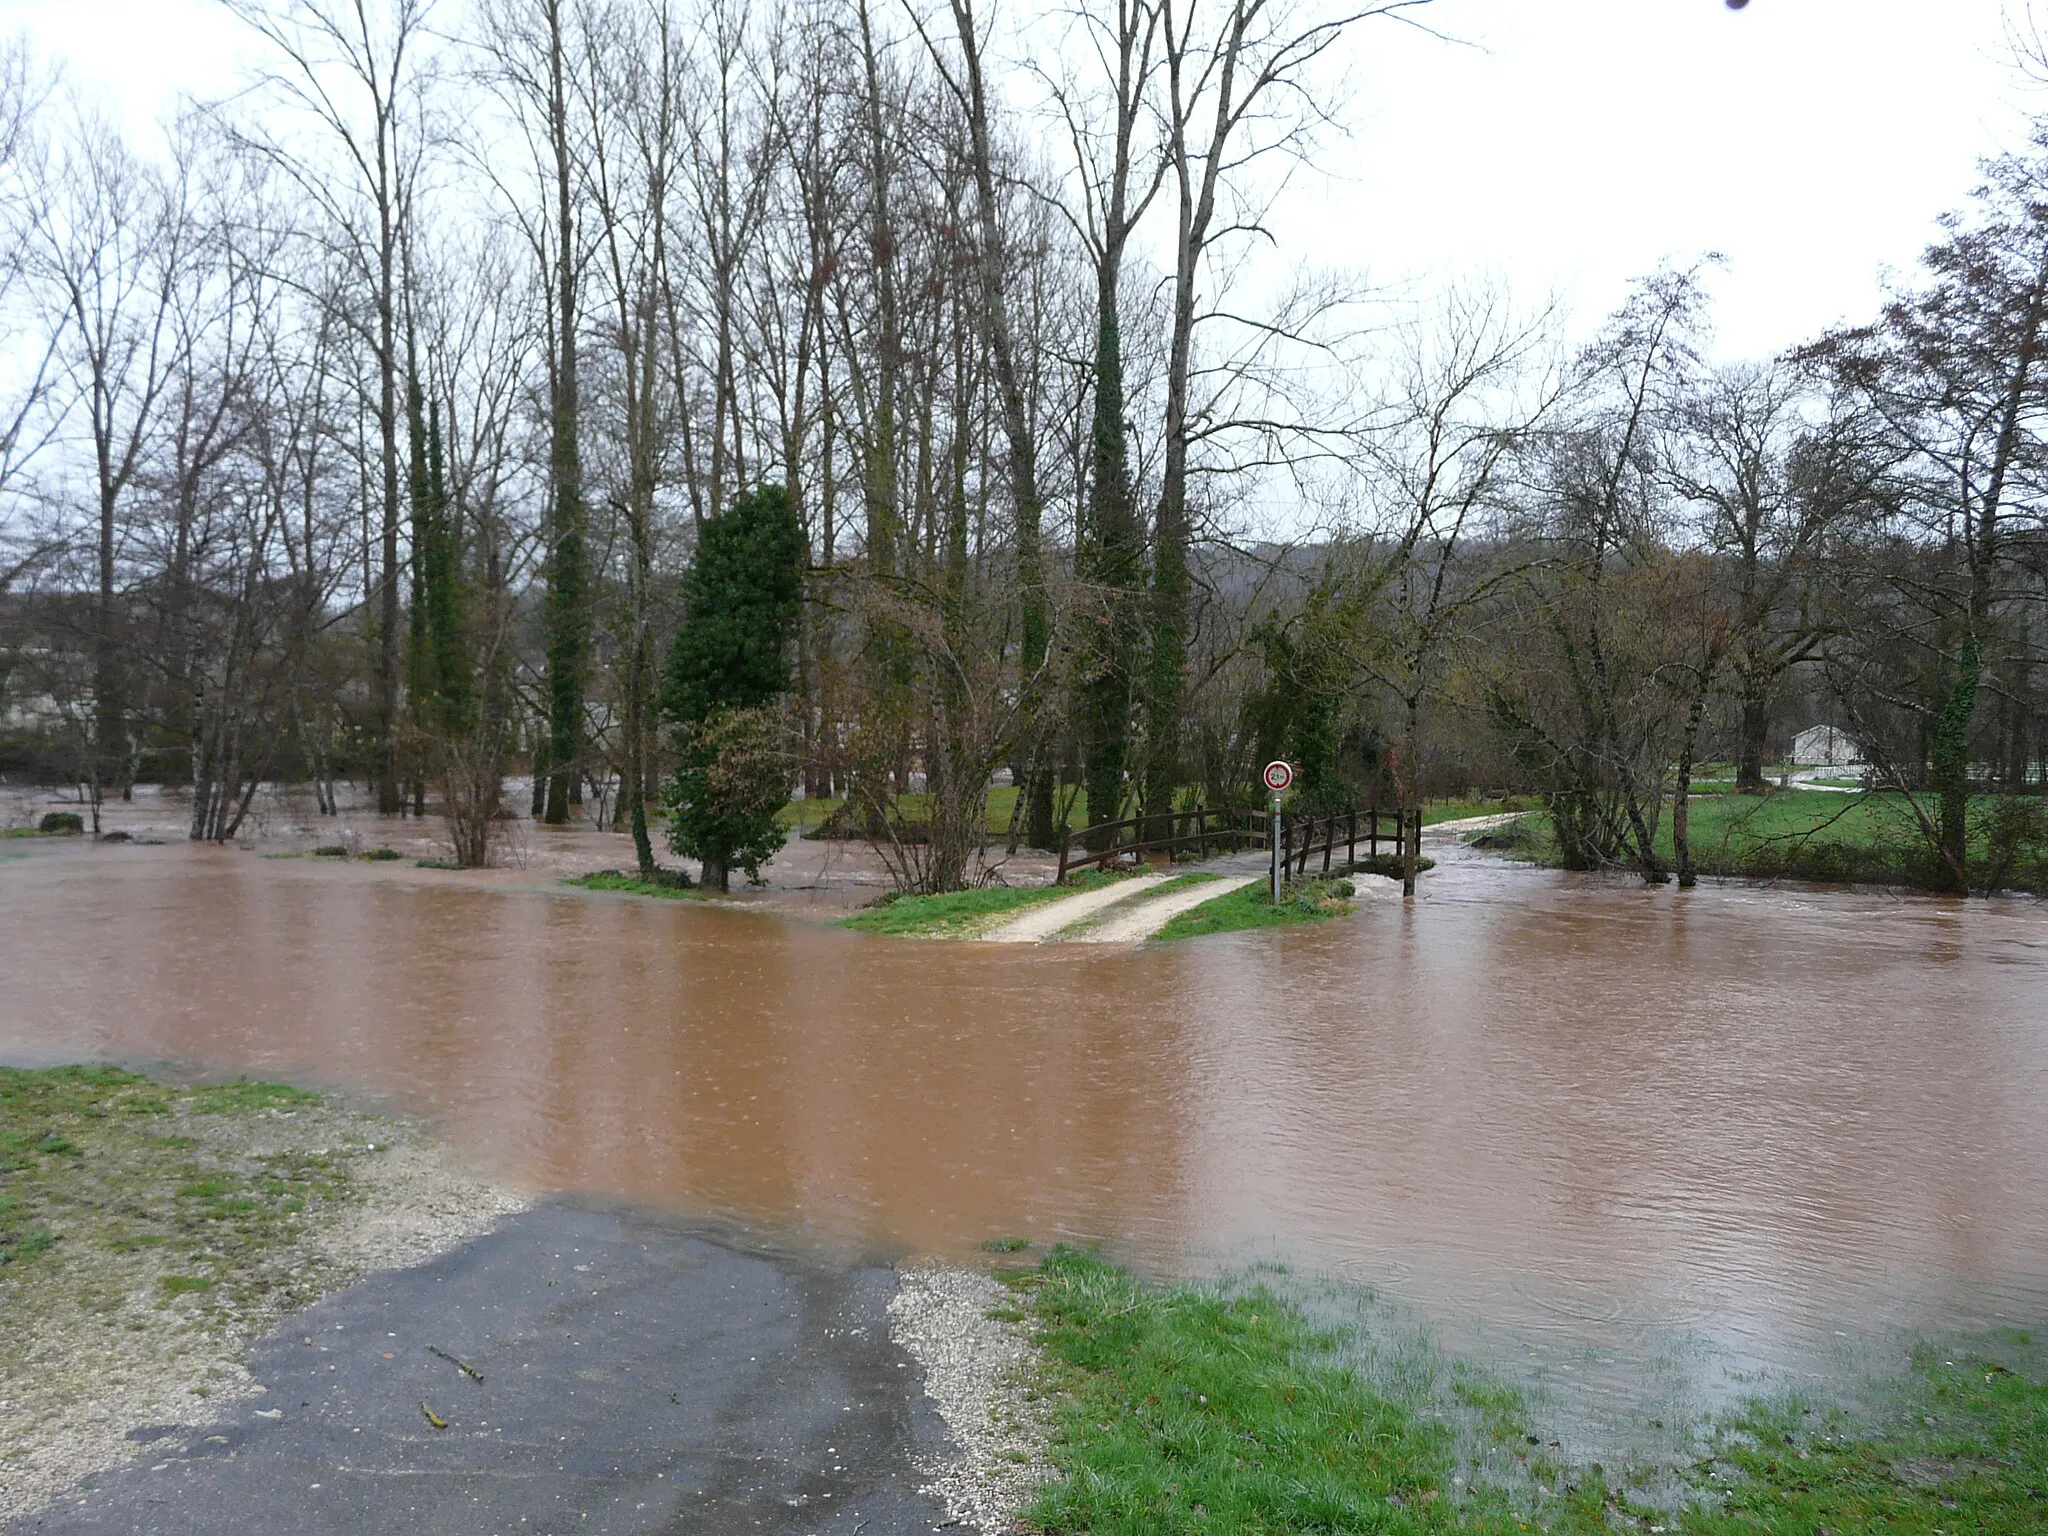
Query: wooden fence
(1206, 833)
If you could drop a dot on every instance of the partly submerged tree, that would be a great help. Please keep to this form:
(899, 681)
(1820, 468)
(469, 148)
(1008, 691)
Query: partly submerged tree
(727, 668)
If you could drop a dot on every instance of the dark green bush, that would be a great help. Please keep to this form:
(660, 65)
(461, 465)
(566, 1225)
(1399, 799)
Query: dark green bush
(66, 822)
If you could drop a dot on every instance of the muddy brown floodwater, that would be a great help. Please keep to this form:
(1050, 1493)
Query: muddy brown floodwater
(1562, 1120)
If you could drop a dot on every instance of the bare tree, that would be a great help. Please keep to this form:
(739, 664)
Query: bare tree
(355, 72)
(112, 250)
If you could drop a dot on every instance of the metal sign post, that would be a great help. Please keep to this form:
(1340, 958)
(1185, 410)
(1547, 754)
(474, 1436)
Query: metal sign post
(1278, 777)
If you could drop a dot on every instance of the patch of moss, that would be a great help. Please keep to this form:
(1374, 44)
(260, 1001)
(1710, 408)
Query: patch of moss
(109, 1182)
(245, 1096)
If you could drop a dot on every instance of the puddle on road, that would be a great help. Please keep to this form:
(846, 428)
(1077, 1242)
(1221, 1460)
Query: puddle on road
(1587, 1131)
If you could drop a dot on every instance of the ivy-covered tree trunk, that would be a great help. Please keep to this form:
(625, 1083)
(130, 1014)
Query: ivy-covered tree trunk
(1110, 556)
(567, 611)
(1948, 768)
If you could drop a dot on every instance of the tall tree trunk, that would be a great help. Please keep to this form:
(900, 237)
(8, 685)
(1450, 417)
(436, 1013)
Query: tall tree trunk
(1681, 789)
(390, 796)
(890, 662)
(567, 577)
(1754, 732)
(110, 711)
(1027, 505)
(1109, 557)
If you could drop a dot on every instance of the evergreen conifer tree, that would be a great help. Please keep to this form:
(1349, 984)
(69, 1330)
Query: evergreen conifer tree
(728, 666)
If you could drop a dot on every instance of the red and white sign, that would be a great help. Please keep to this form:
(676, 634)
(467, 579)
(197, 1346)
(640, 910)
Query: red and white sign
(1278, 777)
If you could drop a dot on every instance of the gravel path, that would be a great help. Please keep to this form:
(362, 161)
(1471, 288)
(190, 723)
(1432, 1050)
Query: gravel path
(979, 1372)
(1137, 922)
(1048, 918)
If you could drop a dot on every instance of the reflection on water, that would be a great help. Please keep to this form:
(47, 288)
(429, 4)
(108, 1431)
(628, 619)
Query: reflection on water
(1587, 1118)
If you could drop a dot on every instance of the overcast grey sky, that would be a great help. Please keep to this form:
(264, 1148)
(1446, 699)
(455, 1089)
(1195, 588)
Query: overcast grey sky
(1569, 145)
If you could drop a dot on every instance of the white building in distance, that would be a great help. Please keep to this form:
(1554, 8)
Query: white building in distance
(1824, 746)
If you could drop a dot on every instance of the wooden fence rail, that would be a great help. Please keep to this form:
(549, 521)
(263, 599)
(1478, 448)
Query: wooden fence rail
(1303, 838)
(1203, 832)
(1208, 832)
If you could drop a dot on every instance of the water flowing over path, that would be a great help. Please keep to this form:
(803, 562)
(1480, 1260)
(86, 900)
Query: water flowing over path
(1556, 1116)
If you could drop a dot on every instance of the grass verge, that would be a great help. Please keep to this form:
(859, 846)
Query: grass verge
(1960, 1445)
(1465, 807)
(1195, 1409)
(1803, 835)
(961, 914)
(103, 1172)
(613, 880)
(1189, 1410)
(1251, 906)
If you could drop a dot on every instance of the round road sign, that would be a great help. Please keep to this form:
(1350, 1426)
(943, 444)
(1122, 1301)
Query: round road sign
(1278, 777)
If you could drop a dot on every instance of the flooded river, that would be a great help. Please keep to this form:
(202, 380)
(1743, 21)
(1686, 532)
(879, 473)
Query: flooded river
(1557, 1118)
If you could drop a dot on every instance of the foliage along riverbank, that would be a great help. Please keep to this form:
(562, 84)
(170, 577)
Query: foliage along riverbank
(1820, 835)
(150, 1232)
(1196, 1410)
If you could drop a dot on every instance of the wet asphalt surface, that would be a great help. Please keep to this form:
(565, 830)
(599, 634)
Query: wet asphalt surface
(636, 1377)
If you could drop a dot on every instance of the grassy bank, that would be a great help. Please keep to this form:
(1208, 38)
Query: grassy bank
(612, 880)
(103, 1172)
(962, 914)
(1959, 1444)
(1251, 906)
(1194, 1409)
(1801, 834)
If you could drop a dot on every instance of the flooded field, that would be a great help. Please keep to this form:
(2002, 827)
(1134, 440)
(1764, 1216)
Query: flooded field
(1611, 1130)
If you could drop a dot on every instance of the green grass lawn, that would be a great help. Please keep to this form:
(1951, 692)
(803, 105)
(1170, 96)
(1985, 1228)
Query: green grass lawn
(1803, 834)
(97, 1163)
(1199, 1409)
(1191, 1411)
(1251, 906)
(614, 880)
(1960, 1445)
(806, 815)
(1464, 807)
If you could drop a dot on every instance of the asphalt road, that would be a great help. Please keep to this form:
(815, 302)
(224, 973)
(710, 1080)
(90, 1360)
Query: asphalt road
(635, 1378)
